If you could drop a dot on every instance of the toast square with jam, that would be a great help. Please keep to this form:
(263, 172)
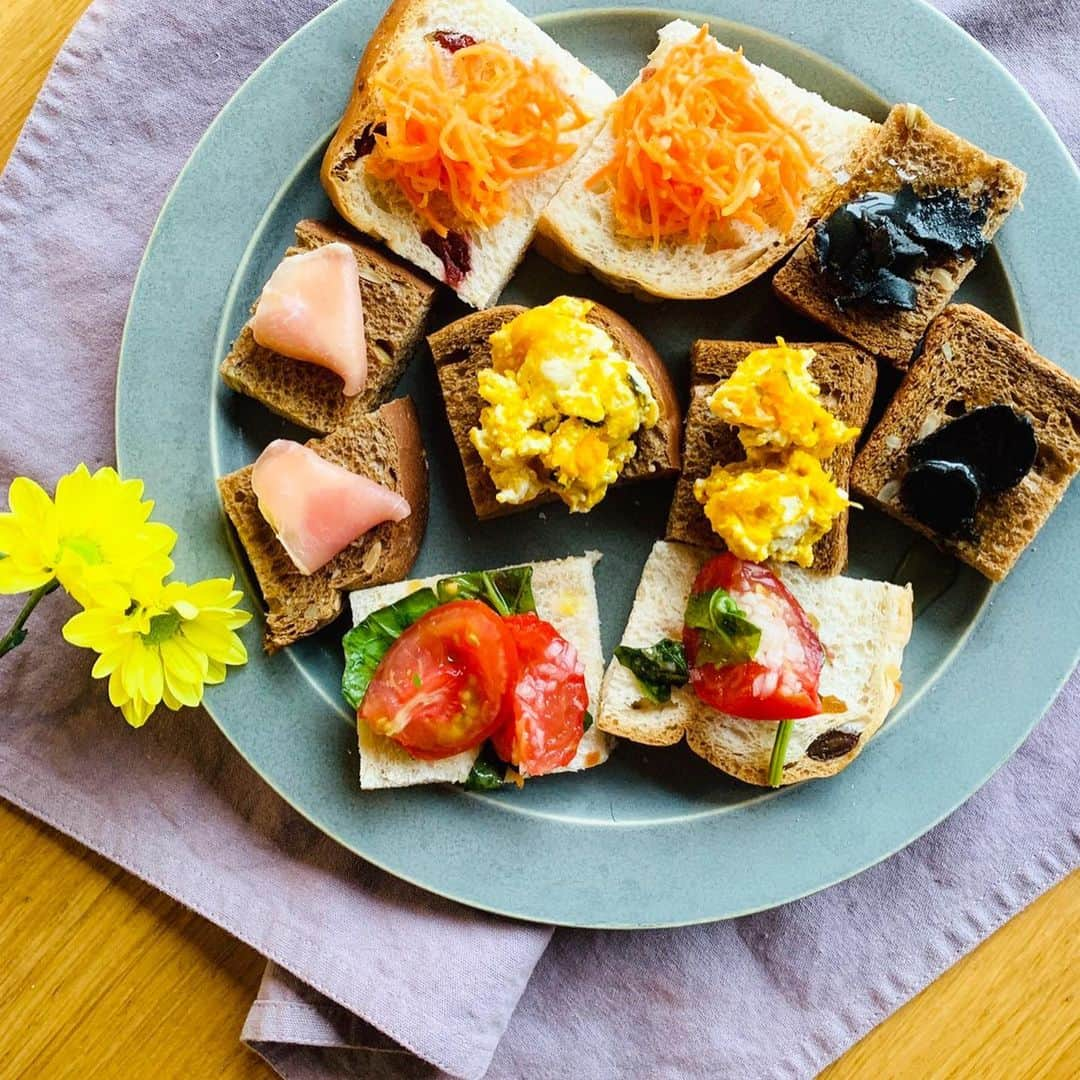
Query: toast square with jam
(910, 151)
(971, 362)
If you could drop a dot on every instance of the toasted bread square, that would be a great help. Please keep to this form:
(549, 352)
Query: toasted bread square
(565, 593)
(847, 377)
(909, 148)
(970, 360)
(379, 208)
(396, 306)
(464, 347)
(384, 446)
(864, 626)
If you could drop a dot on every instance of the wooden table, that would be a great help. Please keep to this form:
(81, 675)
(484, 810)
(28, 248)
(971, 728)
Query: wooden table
(103, 976)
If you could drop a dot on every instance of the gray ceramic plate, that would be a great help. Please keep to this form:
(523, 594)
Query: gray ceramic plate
(654, 837)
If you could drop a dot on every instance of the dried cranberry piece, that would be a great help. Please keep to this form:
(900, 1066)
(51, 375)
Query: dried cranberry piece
(453, 250)
(364, 143)
(453, 42)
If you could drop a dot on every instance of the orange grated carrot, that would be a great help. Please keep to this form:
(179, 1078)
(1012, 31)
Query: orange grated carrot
(697, 145)
(462, 128)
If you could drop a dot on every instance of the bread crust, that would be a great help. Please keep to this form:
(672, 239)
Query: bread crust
(358, 108)
(847, 376)
(386, 447)
(461, 348)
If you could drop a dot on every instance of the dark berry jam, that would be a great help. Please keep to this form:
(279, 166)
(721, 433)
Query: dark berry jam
(451, 41)
(453, 250)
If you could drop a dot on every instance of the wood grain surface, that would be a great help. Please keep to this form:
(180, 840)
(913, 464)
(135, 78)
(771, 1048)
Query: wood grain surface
(102, 976)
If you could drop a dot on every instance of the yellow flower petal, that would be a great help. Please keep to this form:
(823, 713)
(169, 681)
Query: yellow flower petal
(29, 502)
(182, 662)
(14, 578)
(137, 711)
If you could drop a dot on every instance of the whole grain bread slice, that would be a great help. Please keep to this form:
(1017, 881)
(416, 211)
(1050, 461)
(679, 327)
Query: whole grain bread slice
(864, 626)
(463, 347)
(847, 377)
(909, 148)
(384, 446)
(970, 360)
(396, 306)
(379, 208)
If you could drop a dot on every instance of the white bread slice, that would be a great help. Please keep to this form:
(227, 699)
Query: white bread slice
(565, 595)
(379, 208)
(579, 232)
(863, 625)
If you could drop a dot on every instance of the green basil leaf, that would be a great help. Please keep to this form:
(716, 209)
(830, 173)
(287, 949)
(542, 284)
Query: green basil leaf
(488, 772)
(727, 635)
(657, 668)
(367, 643)
(508, 591)
(587, 722)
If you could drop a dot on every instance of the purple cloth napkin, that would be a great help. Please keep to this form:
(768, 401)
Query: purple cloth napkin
(370, 976)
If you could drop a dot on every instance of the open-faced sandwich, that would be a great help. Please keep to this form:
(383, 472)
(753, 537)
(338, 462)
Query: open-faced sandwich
(554, 402)
(464, 119)
(897, 239)
(332, 330)
(979, 444)
(772, 674)
(330, 515)
(705, 173)
(477, 678)
(770, 438)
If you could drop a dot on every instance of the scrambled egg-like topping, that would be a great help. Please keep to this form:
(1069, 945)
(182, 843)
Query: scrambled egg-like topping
(563, 407)
(780, 501)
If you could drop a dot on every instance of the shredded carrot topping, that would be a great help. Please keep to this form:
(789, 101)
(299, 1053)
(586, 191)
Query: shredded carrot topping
(696, 144)
(462, 128)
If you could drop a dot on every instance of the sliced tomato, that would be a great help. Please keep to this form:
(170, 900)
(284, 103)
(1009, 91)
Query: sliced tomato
(545, 716)
(781, 682)
(443, 685)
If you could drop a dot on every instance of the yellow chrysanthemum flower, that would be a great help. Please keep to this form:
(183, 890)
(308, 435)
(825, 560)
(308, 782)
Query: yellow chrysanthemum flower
(93, 537)
(170, 645)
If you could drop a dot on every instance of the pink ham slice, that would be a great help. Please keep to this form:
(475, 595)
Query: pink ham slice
(311, 310)
(317, 508)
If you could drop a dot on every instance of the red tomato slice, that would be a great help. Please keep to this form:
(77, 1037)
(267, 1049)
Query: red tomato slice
(545, 717)
(442, 686)
(781, 682)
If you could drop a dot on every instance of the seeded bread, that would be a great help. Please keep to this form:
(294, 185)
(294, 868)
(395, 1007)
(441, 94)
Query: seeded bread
(381, 210)
(909, 148)
(846, 375)
(384, 446)
(565, 595)
(578, 230)
(864, 626)
(396, 306)
(463, 348)
(970, 360)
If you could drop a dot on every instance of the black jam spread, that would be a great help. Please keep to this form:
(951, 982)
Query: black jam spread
(986, 451)
(451, 41)
(870, 248)
(453, 250)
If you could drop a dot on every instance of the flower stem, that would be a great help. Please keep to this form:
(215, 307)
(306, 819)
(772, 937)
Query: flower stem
(779, 752)
(17, 634)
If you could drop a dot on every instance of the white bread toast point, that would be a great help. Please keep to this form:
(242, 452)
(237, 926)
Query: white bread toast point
(863, 625)
(565, 594)
(381, 210)
(578, 229)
